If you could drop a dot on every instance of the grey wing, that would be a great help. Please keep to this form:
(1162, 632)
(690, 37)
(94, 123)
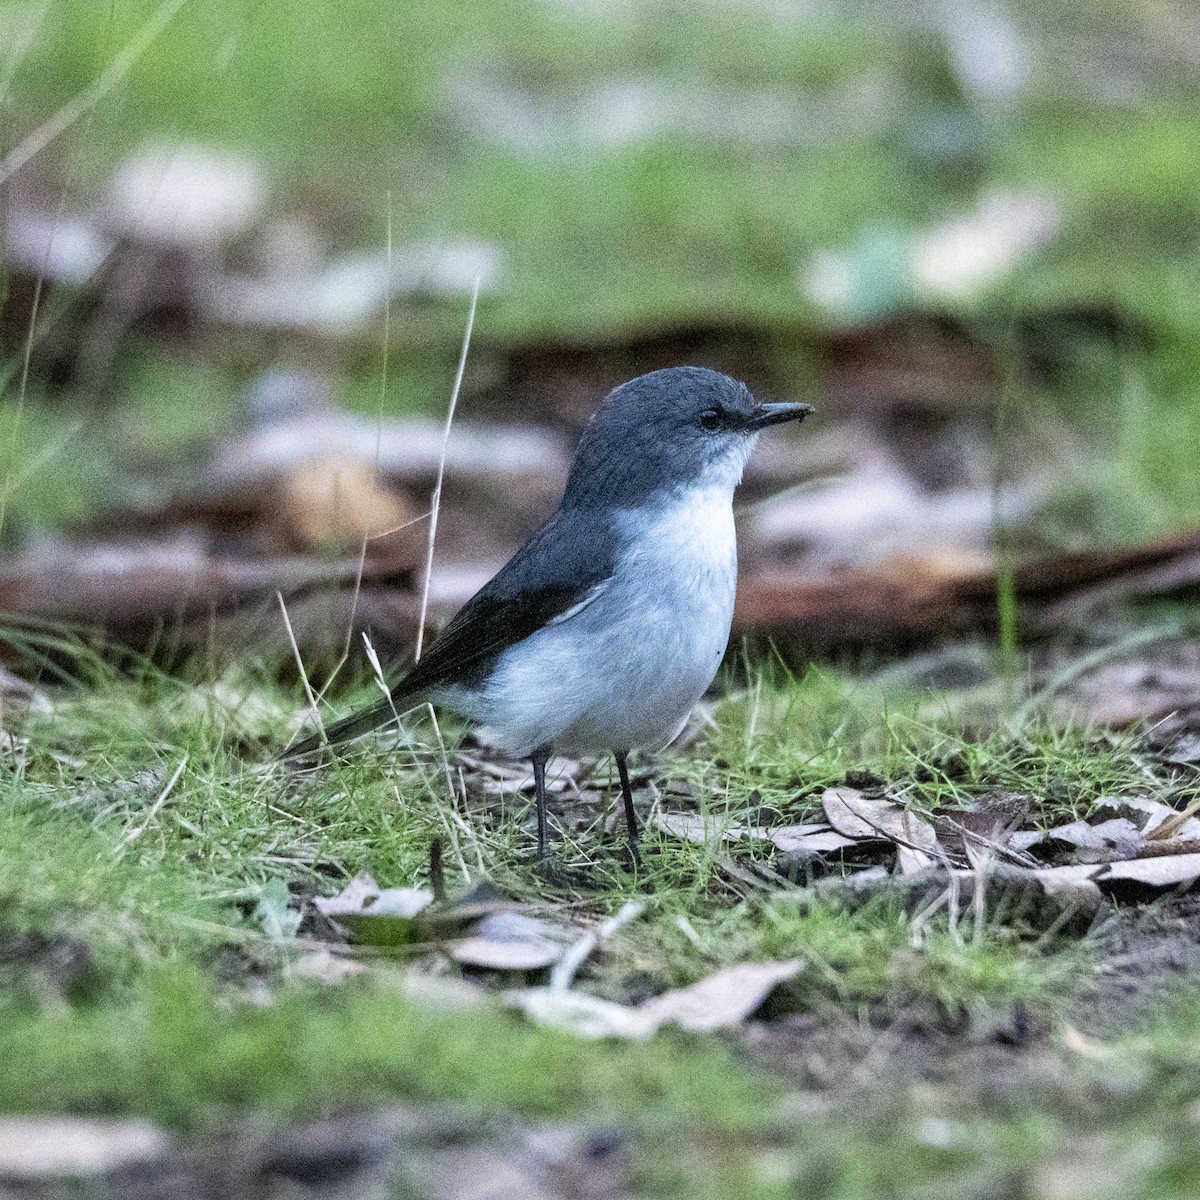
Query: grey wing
(562, 567)
(557, 573)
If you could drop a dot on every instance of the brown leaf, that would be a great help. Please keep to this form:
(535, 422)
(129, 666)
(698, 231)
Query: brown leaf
(334, 502)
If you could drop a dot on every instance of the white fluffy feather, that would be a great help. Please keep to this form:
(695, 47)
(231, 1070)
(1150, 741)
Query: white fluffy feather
(624, 668)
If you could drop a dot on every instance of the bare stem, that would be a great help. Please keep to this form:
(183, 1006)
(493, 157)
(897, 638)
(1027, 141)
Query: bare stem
(435, 503)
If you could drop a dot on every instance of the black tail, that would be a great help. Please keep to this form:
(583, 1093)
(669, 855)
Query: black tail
(382, 713)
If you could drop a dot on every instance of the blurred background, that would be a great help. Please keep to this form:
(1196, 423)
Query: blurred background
(240, 241)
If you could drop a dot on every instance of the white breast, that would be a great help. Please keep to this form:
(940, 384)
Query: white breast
(626, 669)
(690, 538)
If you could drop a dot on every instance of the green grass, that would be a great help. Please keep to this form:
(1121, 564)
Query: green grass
(94, 768)
(352, 110)
(350, 103)
(168, 1016)
(787, 738)
(181, 1008)
(175, 1052)
(229, 824)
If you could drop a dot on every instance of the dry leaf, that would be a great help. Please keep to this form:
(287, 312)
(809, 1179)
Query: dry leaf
(583, 1015)
(746, 878)
(1071, 887)
(33, 1148)
(13, 687)
(910, 861)
(1185, 751)
(1118, 836)
(1085, 1046)
(326, 967)
(1023, 839)
(1069, 891)
(511, 941)
(373, 915)
(1152, 816)
(362, 896)
(1137, 809)
(724, 999)
(703, 830)
(509, 778)
(1121, 693)
(1160, 872)
(855, 816)
(694, 827)
(577, 953)
(184, 194)
(808, 839)
(531, 955)
(1103, 836)
(334, 501)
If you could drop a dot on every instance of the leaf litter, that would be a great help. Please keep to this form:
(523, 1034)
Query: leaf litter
(38, 1148)
(725, 998)
(1136, 843)
(373, 915)
(511, 941)
(959, 860)
(940, 859)
(482, 929)
(508, 940)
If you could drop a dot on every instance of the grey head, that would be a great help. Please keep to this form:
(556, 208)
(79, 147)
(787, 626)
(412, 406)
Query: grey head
(668, 431)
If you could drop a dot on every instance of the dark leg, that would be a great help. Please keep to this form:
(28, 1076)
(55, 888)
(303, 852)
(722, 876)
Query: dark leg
(539, 786)
(631, 824)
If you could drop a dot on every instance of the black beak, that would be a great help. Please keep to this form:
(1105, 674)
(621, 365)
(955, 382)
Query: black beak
(776, 414)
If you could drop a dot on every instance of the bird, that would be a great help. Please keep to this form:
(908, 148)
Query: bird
(606, 627)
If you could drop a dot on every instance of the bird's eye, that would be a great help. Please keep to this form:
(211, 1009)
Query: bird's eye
(711, 418)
